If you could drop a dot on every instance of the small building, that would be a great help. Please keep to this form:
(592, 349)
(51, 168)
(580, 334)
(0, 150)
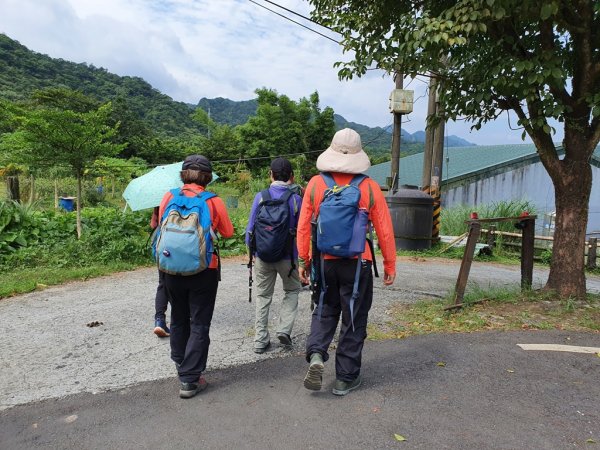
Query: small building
(487, 174)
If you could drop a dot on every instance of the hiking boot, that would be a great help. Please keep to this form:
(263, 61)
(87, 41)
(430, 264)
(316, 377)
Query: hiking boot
(188, 390)
(261, 350)
(284, 339)
(314, 376)
(161, 329)
(343, 387)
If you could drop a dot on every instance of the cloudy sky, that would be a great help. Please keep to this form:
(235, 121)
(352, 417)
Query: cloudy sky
(189, 49)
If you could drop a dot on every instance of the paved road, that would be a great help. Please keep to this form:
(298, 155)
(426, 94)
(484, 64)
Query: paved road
(48, 351)
(488, 394)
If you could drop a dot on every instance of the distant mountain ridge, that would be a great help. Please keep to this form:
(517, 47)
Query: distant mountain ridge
(376, 139)
(23, 71)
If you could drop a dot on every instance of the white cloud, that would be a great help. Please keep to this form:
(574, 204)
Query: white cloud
(189, 49)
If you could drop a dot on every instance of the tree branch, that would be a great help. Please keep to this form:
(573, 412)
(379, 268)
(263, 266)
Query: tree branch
(547, 43)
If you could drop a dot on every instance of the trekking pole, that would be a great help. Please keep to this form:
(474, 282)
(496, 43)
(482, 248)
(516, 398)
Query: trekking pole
(315, 269)
(249, 265)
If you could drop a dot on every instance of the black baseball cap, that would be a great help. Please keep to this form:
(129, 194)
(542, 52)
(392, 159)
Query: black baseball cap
(197, 162)
(281, 165)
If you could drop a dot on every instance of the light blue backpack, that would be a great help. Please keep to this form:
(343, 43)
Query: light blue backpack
(184, 242)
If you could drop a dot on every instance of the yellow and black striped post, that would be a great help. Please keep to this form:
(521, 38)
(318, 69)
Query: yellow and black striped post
(437, 209)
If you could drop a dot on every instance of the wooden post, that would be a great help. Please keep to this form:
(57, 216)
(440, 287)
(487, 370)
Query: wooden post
(527, 241)
(465, 265)
(592, 250)
(491, 236)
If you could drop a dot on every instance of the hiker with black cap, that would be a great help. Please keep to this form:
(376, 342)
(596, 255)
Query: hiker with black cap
(339, 205)
(270, 236)
(185, 251)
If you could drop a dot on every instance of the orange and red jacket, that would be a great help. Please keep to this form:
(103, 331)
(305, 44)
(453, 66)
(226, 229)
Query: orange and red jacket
(218, 214)
(371, 199)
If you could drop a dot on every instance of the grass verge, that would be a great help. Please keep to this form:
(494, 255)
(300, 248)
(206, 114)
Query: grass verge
(30, 279)
(500, 310)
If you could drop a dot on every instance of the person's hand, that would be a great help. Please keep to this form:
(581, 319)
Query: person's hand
(388, 278)
(303, 274)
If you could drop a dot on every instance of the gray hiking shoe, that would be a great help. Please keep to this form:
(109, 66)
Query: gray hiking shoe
(343, 387)
(314, 376)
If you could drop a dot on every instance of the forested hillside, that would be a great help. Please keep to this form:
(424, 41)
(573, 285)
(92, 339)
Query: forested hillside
(152, 125)
(23, 71)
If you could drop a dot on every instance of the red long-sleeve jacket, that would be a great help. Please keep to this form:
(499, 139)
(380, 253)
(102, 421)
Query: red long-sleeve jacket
(371, 199)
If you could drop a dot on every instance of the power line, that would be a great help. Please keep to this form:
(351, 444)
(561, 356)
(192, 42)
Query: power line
(297, 23)
(300, 15)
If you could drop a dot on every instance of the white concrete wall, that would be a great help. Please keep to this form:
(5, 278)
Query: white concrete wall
(530, 183)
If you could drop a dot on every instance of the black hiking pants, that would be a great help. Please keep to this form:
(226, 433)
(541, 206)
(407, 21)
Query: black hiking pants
(161, 301)
(192, 305)
(339, 277)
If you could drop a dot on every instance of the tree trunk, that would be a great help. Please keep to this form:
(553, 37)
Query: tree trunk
(55, 194)
(572, 196)
(78, 201)
(12, 188)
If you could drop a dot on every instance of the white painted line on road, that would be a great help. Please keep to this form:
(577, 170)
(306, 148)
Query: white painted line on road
(560, 348)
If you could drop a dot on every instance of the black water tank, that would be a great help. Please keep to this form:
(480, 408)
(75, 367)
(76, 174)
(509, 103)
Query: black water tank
(412, 217)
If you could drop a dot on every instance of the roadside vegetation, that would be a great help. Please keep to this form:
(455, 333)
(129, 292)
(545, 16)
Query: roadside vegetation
(497, 309)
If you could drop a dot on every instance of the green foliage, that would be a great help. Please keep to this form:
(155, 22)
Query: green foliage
(225, 111)
(22, 72)
(282, 126)
(453, 219)
(32, 239)
(18, 226)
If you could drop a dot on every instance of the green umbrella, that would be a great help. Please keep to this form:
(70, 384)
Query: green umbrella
(148, 190)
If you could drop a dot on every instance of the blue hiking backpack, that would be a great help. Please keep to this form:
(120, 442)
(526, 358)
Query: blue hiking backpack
(273, 233)
(183, 243)
(341, 230)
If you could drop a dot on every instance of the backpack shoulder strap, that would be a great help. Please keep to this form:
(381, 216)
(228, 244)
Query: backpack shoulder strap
(286, 195)
(357, 179)
(265, 195)
(204, 195)
(329, 181)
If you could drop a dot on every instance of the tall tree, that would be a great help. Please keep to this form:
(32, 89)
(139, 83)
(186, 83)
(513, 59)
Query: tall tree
(537, 58)
(283, 127)
(56, 135)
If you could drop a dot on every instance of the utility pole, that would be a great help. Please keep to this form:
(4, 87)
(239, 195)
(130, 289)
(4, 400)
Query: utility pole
(437, 163)
(395, 166)
(429, 136)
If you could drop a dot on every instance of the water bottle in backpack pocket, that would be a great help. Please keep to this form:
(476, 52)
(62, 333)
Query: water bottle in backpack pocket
(183, 243)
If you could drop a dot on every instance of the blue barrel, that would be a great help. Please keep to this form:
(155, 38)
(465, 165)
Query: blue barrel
(67, 203)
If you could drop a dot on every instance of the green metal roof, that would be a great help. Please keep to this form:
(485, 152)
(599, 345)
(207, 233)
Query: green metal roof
(463, 162)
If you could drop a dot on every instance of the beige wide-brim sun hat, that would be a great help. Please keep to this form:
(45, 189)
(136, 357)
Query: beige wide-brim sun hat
(345, 154)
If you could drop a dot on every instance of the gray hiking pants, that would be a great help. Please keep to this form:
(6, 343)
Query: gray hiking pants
(265, 277)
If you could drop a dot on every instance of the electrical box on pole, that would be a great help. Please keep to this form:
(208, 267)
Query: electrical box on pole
(401, 101)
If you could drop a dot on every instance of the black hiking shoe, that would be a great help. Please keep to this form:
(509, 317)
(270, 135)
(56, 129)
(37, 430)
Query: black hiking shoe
(261, 350)
(343, 387)
(314, 376)
(161, 329)
(188, 390)
(284, 339)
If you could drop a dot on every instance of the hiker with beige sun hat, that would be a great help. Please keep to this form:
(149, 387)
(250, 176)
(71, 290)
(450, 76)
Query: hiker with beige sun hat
(338, 206)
